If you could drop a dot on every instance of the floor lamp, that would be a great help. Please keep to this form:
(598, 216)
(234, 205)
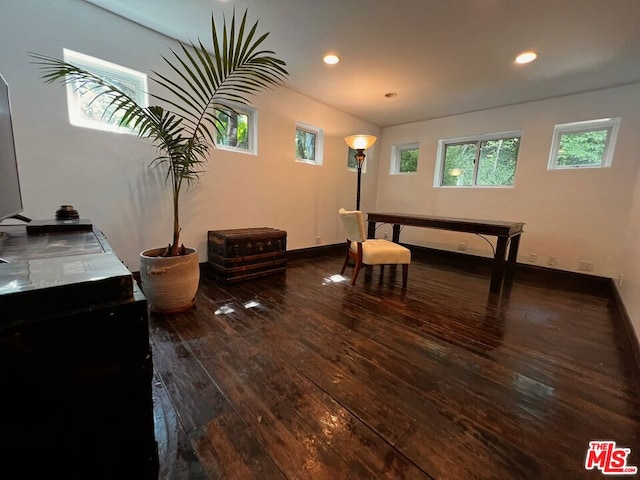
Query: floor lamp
(359, 143)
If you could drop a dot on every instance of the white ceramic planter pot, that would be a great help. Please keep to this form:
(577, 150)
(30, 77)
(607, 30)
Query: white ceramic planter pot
(170, 283)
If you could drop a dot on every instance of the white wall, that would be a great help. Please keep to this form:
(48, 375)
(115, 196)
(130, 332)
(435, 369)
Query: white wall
(105, 175)
(573, 215)
(630, 288)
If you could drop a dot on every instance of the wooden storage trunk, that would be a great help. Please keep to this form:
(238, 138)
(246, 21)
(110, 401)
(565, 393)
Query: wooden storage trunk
(245, 253)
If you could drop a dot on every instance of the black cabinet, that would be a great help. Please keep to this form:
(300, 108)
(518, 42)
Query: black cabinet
(75, 363)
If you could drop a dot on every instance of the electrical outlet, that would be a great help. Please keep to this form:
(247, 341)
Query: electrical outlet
(318, 239)
(586, 266)
(533, 257)
(462, 246)
(620, 280)
(553, 261)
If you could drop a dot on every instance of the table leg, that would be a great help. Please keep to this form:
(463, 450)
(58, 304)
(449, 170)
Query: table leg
(396, 233)
(371, 233)
(498, 265)
(513, 256)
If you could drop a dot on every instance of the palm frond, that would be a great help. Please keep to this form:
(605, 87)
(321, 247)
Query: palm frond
(202, 84)
(236, 71)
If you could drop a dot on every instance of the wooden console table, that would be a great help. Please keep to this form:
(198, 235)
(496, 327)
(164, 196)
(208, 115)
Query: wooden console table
(75, 360)
(507, 233)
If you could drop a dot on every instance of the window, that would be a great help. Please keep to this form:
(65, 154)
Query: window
(404, 158)
(351, 161)
(583, 144)
(85, 110)
(484, 160)
(308, 144)
(237, 129)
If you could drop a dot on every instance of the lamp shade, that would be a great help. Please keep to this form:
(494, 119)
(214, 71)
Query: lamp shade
(360, 142)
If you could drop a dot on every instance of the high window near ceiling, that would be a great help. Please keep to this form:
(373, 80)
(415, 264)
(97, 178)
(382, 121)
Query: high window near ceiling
(404, 158)
(586, 144)
(487, 160)
(237, 129)
(86, 108)
(308, 144)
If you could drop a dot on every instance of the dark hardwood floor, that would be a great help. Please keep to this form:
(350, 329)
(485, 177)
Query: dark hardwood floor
(297, 376)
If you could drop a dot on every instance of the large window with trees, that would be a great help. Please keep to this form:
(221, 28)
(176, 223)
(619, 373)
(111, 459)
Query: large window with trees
(479, 161)
(237, 129)
(85, 110)
(583, 144)
(404, 158)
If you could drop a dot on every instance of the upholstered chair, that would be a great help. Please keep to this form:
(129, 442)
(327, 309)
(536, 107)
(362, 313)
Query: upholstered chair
(370, 251)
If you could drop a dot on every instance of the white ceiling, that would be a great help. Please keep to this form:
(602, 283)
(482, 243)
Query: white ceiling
(442, 57)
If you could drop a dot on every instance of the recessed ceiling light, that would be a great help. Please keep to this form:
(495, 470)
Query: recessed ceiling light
(391, 94)
(331, 59)
(526, 57)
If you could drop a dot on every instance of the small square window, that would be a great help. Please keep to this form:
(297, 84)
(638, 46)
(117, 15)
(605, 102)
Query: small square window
(308, 144)
(587, 144)
(237, 129)
(85, 110)
(404, 158)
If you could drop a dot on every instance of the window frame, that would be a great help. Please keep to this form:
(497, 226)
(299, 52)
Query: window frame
(319, 144)
(611, 124)
(351, 156)
(396, 152)
(478, 139)
(252, 126)
(112, 71)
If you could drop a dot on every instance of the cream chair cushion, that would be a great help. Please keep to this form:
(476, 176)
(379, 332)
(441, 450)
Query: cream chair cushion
(370, 252)
(379, 251)
(374, 251)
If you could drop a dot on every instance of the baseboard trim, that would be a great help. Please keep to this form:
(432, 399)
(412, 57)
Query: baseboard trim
(631, 335)
(314, 252)
(562, 279)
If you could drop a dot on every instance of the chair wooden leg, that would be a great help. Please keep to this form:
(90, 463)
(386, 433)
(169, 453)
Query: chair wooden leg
(381, 272)
(346, 260)
(405, 274)
(358, 259)
(356, 271)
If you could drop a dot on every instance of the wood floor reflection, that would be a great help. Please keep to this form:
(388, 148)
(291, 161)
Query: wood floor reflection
(303, 376)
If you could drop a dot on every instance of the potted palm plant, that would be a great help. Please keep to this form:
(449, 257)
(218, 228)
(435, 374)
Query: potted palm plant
(183, 129)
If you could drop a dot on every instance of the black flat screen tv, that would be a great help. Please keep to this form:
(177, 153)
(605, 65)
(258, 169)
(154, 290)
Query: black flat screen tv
(10, 196)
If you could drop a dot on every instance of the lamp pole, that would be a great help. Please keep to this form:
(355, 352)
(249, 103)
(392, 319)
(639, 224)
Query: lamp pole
(359, 156)
(359, 143)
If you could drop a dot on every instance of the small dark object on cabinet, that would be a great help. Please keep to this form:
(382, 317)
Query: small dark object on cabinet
(241, 254)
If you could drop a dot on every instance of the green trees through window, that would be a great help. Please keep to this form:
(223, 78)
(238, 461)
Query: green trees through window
(408, 161)
(583, 144)
(480, 162)
(585, 148)
(234, 130)
(404, 158)
(308, 144)
(305, 145)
